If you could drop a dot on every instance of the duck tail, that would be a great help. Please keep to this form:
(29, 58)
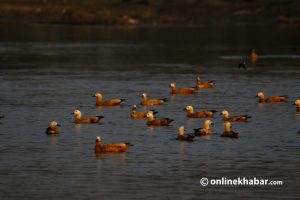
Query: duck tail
(128, 144)
(99, 117)
(164, 99)
(213, 111)
(122, 100)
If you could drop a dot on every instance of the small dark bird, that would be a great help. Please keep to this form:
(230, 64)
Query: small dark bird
(242, 64)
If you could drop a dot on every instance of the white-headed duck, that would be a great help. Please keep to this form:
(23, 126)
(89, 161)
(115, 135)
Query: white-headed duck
(204, 85)
(111, 102)
(262, 99)
(253, 56)
(52, 129)
(110, 148)
(87, 120)
(183, 137)
(181, 90)
(151, 121)
(206, 130)
(139, 115)
(297, 103)
(237, 118)
(145, 101)
(201, 114)
(228, 132)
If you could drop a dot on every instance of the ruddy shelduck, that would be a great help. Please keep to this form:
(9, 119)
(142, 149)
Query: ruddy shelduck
(181, 90)
(111, 102)
(110, 148)
(228, 132)
(151, 121)
(297, 103)
(201, 114)
(237, 118)
(182, 137)
(52, 129)
(262, 99)
(139, 115)
(206, 130)
(204, 85)
(145, 101)
(253, 56)
(87, 120)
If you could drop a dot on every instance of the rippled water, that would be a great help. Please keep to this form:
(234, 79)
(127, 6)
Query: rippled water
(49, 71)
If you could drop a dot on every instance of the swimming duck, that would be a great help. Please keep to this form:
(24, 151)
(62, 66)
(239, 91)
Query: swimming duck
(151, 121)
(181, 90)
(52, 129)
(139, 115)
(242, 64)
(253, 56)
(297, 103)
(204, 131)
(228, 132)
(262, 98)
(183, 137)
(204, 85)
(110, 148)
(146, 101)
(202, 114)
(87, 120)
(111, 102)
(237, 118)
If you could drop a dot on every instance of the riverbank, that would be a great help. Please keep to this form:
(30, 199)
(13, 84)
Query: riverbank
(144, 12)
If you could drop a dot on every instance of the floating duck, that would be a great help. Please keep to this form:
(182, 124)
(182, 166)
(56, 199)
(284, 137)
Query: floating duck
(262, 98)
(87, 120)
(139, 115)
(183, 137)
(181, 90)
(242, 64)
(110, 148)
(204, 131)
(201, 114)
(237, 118)
(253, 56)
(52, 129)
(145, 101)
(297, 103)
(111, 102)
(151, 121)
(204, 85)
(228, 132)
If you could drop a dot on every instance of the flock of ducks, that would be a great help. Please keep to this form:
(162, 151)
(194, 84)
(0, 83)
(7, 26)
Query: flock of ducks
(153, 121)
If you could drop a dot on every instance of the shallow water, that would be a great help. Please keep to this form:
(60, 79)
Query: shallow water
(47, 71)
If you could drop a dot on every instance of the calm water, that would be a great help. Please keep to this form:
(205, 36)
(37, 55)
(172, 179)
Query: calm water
(49, 71)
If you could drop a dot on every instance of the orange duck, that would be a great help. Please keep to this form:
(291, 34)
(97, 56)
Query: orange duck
(204, 131)
(87, 120)
(237, 118)
(110, 148)
(150, 102)
(139, 115)
(181, 90)
(201, 114)
(52, 129)
(111, 102)
(204, 85)
(151, 121)
(228, 132)
(273, 99)
(297, 103)
(183, 137)
(253, 56)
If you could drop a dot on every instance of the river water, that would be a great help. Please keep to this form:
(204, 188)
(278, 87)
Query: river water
(48, 71)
